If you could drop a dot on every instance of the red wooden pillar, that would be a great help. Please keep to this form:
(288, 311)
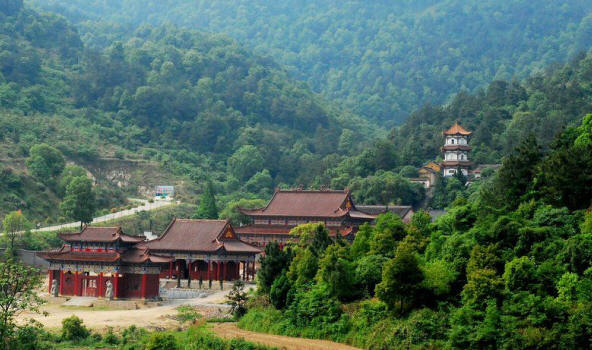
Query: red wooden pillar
(225, 268)
(143, 290)
(61, 286)
(100, 285)
(209, 270)
(76, 282)
(218, 271)
(115, 286)
(189, 272)
(244, 270)
(171, 270)
(50, 273)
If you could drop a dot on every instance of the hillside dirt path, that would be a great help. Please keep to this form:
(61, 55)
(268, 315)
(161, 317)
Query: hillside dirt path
(145, 206)
(230, 330)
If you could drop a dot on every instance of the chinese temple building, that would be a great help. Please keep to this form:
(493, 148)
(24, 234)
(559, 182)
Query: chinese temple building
(100, 260)
(290, 208)
(456, 151)
(204, 250)
(428, 174)
(405, 212)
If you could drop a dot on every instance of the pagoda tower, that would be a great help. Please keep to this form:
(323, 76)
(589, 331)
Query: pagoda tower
(456, 151)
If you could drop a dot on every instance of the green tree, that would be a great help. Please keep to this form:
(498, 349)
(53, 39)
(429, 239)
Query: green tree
(578, 252)
(14, 224)
(514, 179)
(260, 182)
(520, 274)
(586, 225)
(567, 287)
(565, 177)
(439, 276)
(489, 331)
(401, 279)
(482, 285)
(337, 272)
(79, 202)
(361, 244)
(303, 268)
(278, 294)
(246, 162)
(369, 272)
(74, 329)
(18, 293)
(273, 263)
(69, 173)
(45, 162)
(207, 208)
(320, 240)
(389, 230)
(232, 212)
(237, 299)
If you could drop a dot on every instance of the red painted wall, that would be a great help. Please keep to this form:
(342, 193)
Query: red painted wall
(152, 286)
(130, 286)
(68, 287)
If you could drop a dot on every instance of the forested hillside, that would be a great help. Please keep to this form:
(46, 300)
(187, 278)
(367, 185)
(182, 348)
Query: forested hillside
(508, 267)
(382, 59)
(503, 114)
(500, 116)
(198, 104)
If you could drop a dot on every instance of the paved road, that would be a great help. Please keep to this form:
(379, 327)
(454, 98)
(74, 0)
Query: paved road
(145, 206)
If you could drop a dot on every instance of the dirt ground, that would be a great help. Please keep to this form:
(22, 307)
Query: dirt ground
(159, 317)
(229, 330)
(163, 317)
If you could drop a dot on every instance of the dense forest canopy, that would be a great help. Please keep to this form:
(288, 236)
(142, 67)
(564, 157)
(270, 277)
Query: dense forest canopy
(382, 59)
(500, 117)
(199, 104)
(503, 114)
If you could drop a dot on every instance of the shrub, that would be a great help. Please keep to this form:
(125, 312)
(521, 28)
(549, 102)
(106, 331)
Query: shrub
(73, 329)
(131, 338)
(96, 337)
(187, 313)
(237, 299)
(28, 337)
(110, 337)
(161, 341)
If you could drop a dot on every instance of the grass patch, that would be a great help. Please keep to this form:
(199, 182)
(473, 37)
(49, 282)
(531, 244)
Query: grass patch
(221, 320)
(186, 313)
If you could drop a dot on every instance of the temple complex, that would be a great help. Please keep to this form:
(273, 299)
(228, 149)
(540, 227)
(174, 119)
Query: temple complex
(204, 250)
(103, 262)
(290, 208)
